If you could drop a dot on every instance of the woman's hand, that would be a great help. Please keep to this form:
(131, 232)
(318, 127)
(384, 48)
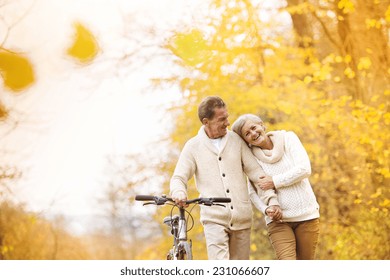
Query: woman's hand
(274, 212)
(266, 183)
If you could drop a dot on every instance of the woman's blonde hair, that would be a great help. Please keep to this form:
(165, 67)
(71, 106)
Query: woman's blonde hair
(240, 122)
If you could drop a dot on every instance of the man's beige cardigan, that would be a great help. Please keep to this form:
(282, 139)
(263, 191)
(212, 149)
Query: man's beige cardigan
(220, 174)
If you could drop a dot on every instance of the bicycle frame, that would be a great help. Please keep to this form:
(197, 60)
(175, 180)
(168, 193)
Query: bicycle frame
(182, 248)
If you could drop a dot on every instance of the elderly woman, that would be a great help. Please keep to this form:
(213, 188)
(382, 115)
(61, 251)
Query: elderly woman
(287, 165)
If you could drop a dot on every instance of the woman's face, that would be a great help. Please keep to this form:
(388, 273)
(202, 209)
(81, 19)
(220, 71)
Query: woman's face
(254, 133)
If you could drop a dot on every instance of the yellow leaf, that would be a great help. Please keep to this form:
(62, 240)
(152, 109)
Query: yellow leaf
(364, 63)
(374, 210)
(375, 98)
(346, 5)
(387, 14)
(348, 58)
(338, 59)
(368, 50)
(307, 80)
(349, 73)
(253, 247)
(84, 47)
(377, 193)
(385, 203)
(16, 70)
(357, 201)
(370, 23)
(191, 47)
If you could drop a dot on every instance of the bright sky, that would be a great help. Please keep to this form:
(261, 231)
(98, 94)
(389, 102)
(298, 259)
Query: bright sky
(73, 117)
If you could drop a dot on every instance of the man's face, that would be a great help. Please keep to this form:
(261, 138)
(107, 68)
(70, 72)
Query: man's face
(217, 126)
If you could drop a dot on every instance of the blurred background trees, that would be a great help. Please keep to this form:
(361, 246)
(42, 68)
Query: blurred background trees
(319, 68)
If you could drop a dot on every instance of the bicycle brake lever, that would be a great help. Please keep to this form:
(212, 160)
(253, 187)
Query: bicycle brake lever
(148, 203)
(217, 204)
(161, 201)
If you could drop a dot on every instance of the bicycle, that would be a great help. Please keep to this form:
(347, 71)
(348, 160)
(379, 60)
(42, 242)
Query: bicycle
(182, 247)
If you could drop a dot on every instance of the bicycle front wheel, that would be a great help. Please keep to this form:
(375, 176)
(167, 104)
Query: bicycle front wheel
(185, 251)
(170, 255)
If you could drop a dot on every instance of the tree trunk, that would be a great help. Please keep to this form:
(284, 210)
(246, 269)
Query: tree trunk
(301, 26)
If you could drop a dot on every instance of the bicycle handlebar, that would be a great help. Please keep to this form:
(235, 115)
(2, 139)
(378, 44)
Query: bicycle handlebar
(144, 197)
(221, 199)
(159, 200)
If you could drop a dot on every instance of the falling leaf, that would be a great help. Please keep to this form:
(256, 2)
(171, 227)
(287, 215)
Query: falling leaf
(190, 47)
(84, 47)
(16, 70)
(3, 113)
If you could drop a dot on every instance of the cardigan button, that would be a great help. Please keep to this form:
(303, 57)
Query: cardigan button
(227, 191)
(223, 174)
(231, 207)
(219, 158)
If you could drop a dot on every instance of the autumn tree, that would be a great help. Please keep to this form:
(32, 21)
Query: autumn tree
(28, 236)
(321, 81)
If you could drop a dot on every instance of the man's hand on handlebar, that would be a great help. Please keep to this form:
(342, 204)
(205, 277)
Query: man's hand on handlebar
(180, 198)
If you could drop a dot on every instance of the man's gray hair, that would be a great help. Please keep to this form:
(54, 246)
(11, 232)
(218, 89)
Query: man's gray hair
(207, 106)
(240, 122)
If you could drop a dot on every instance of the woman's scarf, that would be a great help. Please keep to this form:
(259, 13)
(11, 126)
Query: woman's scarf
(274, 155)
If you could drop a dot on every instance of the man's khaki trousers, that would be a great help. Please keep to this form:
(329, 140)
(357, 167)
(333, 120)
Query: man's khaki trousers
(225, 244)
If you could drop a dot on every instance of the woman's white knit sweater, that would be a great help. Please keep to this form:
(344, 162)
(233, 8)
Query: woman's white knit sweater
(220, 174)
(290, 171)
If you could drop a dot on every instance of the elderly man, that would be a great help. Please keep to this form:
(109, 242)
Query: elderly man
(221, 162)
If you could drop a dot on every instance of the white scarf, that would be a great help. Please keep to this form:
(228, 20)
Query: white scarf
(274, 155)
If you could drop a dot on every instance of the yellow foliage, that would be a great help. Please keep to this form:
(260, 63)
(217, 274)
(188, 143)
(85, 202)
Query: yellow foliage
(348, 58)
(357, 201)
(385, 203)
(338, 59)
(25, 236)
(373, 23)
(364, 63)
(300, 8)
(312, 92)
(190, 47)
(349, 73)
(16, 70)
(346, 5)
(84, 47)
(387, 14)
